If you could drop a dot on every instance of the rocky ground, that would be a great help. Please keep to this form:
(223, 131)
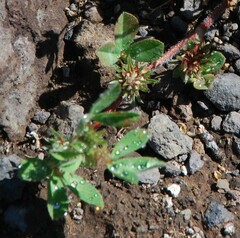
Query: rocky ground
(50, 75)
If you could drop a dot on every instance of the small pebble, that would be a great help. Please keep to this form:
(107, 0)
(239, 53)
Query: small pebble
(216, 123)
(174, 189)
(195, 163)
(187, 213)
(172, 168)
(229, 229)
(223, 185)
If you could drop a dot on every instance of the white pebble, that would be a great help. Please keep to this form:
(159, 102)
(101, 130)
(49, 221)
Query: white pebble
(174, 189)
(229, 229)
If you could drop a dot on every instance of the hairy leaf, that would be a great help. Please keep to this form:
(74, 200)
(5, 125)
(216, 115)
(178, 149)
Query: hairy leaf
(34, 169)
(118, 119)
(108, 54)
(106, 99)
(57, 198)
(64, 155)
(83, 189)
(71, 165)
(203, 82)
(212, 62)
(126, 29)
(128, 168)
(147, 50)
(132, 141)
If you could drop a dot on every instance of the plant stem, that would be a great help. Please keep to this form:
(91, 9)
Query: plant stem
(195, 35)
(96, 125)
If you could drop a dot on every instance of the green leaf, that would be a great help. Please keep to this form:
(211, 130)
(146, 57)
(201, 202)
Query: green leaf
(34, 170)
(64, 155)
(57, 198)
(128, 168)
(108, 54)
(147, 50)
(72, 165)
(106, 99)
(132, 141)
(118, 119)
(212, 62)
(126, 29)
(83, 189)
(203, 82)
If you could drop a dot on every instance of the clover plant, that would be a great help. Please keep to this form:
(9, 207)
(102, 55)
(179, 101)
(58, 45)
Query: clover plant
(134, 59)
(88, 147)
(198, 64)
(129, 56)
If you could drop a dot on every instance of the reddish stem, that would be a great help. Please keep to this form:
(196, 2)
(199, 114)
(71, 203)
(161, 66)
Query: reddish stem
(111, 108)
(197, 34)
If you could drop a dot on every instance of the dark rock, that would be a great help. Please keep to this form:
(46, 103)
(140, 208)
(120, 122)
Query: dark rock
(178, 25)
(28, 217)
(16, 218)
(232, 123)
(11, 190)
(166, 139)
(156, 16)
(194, 163)
(216, 215)
(210, 34)
(224, 92)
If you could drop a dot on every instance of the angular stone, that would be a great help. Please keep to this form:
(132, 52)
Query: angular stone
(232, 123)
(166, 138)
(216, 215)
(195, 163)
